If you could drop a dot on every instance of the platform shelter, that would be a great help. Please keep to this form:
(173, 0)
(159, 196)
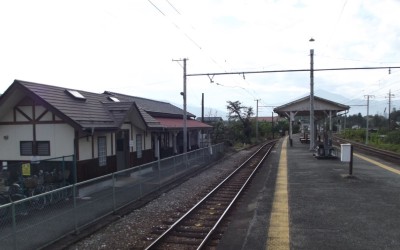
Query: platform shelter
(323, 108)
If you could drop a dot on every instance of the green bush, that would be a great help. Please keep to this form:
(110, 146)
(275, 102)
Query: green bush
(354, 134)
(393, 137)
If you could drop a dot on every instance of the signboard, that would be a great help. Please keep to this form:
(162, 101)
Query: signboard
(345, 150)
(26, 169)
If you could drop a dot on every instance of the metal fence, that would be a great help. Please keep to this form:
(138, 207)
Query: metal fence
(37, 221)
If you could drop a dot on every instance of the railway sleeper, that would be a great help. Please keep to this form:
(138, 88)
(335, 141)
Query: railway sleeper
(193, 229)
(198, 223)
(228, 192)
(220, 199)
(208, 213)
(192, 236)
(212, 210)
(217, 203)
(217, 206)
(179, 241)
(202, 217)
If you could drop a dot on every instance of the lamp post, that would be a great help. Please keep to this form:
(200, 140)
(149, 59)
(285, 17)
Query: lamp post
(312, 129)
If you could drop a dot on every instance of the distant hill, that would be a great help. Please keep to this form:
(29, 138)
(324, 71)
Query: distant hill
(356, 105)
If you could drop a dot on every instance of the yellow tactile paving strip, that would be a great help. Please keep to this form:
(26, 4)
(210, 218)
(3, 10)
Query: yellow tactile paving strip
(278, 231)
(396, 171)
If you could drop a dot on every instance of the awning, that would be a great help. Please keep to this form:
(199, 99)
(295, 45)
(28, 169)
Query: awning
(173, 123)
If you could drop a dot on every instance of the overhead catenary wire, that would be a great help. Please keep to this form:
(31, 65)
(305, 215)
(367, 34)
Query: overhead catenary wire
(243, 73)
(288, 71)
(197, 44)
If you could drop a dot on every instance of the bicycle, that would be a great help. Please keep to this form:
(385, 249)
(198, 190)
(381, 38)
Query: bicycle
(14, 193)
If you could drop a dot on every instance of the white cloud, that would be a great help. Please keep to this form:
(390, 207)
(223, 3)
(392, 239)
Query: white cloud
(128, 46)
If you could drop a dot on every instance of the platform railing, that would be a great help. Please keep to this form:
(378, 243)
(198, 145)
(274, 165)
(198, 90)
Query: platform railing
(40, 220)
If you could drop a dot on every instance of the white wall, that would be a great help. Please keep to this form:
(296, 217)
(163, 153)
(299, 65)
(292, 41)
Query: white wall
(85, 148)
(61, 137)
(9, 117)
(85, 145)
(10, 147)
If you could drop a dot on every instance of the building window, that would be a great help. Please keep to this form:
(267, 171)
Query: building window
(102, 150)
(75, 94)
(26, 147)
(42, 148)
(139, 146)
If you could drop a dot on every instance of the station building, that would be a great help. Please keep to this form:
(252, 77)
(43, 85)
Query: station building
(105, 132)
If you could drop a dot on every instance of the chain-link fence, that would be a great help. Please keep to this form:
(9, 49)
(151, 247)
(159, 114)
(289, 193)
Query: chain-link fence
(33, 222)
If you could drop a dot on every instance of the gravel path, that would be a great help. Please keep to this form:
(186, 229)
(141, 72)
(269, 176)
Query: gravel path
(133, 231)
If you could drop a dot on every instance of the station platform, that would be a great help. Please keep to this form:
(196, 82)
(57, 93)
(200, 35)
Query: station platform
(297, 201)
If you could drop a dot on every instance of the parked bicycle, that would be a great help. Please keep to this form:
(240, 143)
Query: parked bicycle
(34, 187)
(14, 193)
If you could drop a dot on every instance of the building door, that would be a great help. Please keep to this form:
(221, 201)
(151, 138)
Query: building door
(122, 145)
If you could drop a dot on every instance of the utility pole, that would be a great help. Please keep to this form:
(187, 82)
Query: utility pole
(257, 120)
(272, 125)
(202, 107)
(312, 129)
(366, 133)
(390, 103)
(184, 108)
(184, 94)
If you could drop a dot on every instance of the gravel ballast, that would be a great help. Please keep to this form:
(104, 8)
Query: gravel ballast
(133, 231)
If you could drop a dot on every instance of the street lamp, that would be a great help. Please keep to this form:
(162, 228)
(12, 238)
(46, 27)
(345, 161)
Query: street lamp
(312, 129)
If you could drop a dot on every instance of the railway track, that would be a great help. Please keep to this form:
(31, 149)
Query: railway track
(197, 228)
(383, 154)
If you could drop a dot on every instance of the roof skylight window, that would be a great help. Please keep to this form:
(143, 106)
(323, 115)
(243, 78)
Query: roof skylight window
(114, 99)
(75, 94)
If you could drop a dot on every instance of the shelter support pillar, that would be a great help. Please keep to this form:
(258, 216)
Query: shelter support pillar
(200, 139)
(291, 120)
(189, 141)
(174, 142)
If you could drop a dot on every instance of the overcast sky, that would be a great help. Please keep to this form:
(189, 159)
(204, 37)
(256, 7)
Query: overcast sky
(128, 47)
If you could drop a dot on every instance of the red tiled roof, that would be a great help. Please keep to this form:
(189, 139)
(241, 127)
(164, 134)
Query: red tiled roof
(178, 123)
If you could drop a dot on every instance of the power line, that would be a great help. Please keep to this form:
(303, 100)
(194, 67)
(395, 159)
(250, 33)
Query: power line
(176, 25)
(173, 7)
(155, 6)
(337, 21)
(197, 44)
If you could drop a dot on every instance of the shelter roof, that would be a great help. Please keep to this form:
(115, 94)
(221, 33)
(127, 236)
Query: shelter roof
(171, 123)
(302, 107)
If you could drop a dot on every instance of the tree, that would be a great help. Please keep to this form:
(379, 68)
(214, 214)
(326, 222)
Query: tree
(355, 120)
(240, 115)
(378, 122)
(394, 118)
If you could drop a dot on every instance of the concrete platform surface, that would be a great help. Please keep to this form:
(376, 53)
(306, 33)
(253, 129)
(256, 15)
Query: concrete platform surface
(327, 209)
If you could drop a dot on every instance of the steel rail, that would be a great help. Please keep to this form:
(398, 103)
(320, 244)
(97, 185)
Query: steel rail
(375, 151)
(202, 244)
(170, 228)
